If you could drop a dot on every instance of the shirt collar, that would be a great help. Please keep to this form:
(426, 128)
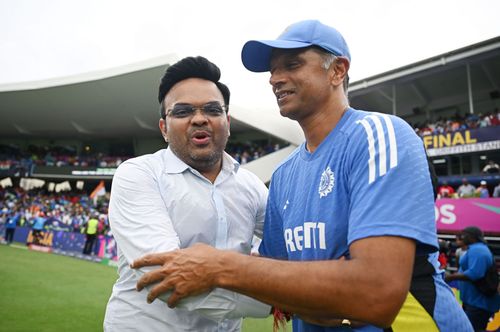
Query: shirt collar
(174, 165)
(229, 163)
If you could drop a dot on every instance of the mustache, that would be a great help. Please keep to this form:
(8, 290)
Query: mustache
(192, 132)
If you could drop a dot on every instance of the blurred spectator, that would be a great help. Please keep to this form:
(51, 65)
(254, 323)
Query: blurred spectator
(38, 227)
(76, 222)
(484, 121)
(461, 249)
(495, 118)
(491, 167)
(90, 230)
(473, 266)
(11, 224)
(496, 191)
(445, 191)
(482, 190)
(466, 189)
(443, 254)
(102, 226)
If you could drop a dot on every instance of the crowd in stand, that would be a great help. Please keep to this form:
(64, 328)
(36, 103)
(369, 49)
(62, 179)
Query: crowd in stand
(246, 152)
(20, 162)
(100, 160)
(467, 190)
(458, 122)
(43, 210)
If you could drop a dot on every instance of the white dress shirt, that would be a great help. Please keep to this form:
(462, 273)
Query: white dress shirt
(158, 203)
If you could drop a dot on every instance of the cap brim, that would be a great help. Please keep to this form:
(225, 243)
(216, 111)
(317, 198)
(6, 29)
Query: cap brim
(256, 54)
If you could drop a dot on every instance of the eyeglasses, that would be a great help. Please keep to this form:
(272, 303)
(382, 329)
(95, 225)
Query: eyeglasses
(180, 111)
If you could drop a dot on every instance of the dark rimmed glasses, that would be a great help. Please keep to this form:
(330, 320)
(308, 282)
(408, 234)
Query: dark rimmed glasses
(180, 111)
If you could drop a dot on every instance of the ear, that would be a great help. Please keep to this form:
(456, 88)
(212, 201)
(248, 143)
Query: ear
(228, 125)
(162, 124)
(339, 72)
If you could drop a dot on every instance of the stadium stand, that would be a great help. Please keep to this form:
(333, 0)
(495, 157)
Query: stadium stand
(458, 123)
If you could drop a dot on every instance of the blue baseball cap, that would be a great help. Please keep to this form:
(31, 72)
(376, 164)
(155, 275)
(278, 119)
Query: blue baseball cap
(256, 54)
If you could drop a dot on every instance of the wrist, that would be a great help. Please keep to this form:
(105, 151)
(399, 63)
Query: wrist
(228, 261)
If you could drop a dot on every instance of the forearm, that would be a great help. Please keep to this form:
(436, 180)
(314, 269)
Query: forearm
(336, 289)
(457, 276)
(373, 277)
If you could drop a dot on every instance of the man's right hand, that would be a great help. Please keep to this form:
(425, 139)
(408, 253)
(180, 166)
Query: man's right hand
(185, 272)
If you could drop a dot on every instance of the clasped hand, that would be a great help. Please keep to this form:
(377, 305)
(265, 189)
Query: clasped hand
(185, 272)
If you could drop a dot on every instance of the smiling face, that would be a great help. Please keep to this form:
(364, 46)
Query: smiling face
(198, 139)
(300, 82)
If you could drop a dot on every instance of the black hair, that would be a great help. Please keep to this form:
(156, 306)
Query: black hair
(190, 67)
(474, 232)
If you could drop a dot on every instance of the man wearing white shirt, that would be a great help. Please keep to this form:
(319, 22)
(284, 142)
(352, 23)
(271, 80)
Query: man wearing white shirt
(496, 191)
(190, 192)
(466, 189)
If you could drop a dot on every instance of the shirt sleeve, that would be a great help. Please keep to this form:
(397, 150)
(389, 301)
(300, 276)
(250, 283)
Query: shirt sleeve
(222, 304)
(262, 194)
(389, 183)
(141, 225)
(477, 264)
(137, 214)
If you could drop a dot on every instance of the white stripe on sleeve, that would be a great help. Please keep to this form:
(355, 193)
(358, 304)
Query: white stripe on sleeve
(382, 161)
(371, 149)
(392, 140)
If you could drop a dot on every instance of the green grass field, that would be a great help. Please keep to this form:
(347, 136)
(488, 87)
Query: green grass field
(47, 292)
